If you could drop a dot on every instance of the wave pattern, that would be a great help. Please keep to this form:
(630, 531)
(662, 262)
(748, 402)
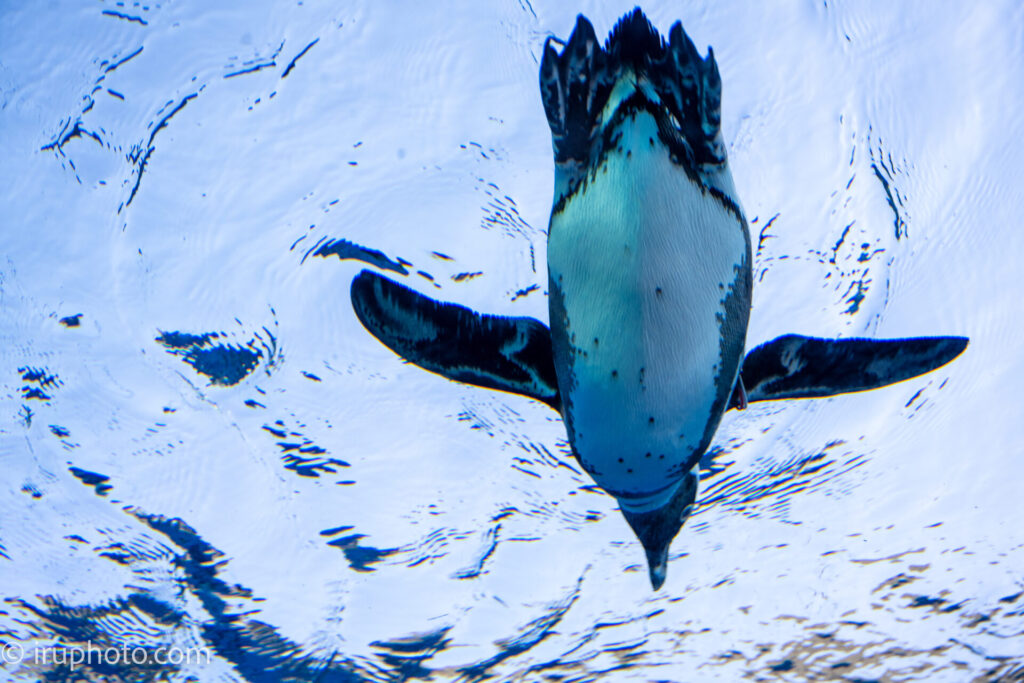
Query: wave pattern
(201, 448)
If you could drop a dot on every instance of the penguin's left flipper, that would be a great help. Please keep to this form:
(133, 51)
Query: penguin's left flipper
(491, 351)
(793, 366)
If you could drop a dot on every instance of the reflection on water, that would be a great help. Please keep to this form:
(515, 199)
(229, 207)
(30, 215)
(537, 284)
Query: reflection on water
(202, 448)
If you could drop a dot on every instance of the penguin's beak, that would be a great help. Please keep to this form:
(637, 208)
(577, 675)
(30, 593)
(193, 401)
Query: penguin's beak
(656, 528)
(657, 565)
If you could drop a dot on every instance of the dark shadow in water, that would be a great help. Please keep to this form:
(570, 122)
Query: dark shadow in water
(224, 363)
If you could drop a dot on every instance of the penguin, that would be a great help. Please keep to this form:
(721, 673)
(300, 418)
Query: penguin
(645, 235)
(649, 286)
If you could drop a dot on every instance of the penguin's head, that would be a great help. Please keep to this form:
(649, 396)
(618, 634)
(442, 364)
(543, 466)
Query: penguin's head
(656, 528)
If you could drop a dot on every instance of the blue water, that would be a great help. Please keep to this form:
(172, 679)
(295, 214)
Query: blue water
(202, 448)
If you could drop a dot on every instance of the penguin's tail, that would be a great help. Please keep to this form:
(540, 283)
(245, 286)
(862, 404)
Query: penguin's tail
(577, 84)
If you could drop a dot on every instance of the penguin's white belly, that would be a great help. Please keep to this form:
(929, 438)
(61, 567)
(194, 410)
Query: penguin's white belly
(642, 259)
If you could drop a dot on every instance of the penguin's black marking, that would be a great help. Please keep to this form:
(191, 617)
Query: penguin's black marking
(639, 164)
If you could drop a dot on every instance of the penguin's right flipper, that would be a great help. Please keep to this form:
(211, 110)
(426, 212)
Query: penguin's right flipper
(490, 351)
(793, 366)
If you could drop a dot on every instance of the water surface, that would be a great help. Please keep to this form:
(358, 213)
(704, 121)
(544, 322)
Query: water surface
(202, 448)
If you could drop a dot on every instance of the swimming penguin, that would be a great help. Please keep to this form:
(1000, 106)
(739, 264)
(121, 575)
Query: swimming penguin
(649, 284)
